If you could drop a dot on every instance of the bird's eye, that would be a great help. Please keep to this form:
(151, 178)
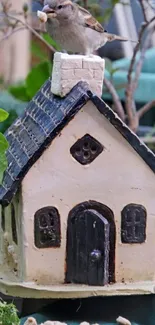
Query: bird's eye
(59, 7)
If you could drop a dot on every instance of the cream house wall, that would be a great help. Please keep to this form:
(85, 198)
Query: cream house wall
(117, 177)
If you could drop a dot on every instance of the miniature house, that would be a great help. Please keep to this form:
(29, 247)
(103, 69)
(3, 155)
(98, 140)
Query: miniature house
(78, 207)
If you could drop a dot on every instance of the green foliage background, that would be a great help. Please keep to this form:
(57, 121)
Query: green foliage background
(8, 314)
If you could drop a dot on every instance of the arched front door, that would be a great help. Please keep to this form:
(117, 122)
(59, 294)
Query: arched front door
(88, 245)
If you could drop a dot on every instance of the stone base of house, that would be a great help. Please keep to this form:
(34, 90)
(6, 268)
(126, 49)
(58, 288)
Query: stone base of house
(32, 290)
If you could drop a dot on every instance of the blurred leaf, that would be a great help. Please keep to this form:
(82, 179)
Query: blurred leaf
(114, 2)
(108, 65)
(3, 115)
(8, 103)
(107, 14)
(3, 160)
(117, 88)
(13, 106)
(100, 19)
(1, 80)
(3, 165)
(37, 51)
(50, 41)
(19, 92)
(37, 76)
(114, 70)
(3, 143)
(104, 90)
(95, 10)
(12, 117)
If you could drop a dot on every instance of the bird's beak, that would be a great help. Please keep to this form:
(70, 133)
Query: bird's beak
(50, 12)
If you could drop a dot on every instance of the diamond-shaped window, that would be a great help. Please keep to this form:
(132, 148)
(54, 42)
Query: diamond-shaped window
(86, 149)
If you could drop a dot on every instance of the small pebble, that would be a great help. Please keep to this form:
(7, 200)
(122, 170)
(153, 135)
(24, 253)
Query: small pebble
(123, 321)
(30, 321)
(49, 322)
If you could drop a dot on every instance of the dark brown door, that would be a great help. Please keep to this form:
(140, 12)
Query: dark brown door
(88, 248)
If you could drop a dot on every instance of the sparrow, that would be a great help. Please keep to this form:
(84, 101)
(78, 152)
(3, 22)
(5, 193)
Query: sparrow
(74, 28)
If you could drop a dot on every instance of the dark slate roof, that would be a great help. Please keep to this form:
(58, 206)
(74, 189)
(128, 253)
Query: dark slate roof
(43, 119)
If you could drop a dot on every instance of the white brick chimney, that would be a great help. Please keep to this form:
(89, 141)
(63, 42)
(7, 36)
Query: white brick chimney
(68, 70)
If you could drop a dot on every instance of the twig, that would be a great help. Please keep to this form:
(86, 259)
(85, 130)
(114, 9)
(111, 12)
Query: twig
(137, 47)
(145, 108)
(85, 3)
(129, 91)
(143, 10)
(117, 103)
(18, 20)
(140, 62)
(6, 36)
(131, 86)
(150, 5)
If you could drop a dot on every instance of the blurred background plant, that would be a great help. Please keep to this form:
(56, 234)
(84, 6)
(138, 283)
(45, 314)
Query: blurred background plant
(3, 146)
(26, 54)
(8, 314)
(15, 93)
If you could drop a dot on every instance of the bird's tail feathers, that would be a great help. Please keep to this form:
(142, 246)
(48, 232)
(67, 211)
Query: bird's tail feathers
(113, 37)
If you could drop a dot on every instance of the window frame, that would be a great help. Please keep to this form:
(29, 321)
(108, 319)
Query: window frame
(133, 231)
(47, 228)
(14, 225)
(86, 149)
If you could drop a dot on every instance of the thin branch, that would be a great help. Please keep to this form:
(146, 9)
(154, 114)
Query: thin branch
(6, 36)
(150, 5)
(140, 62)
(137, 47)
(117, 103)
(130, 86)
(18, 20)
(85, 3)
(145, 108)
(129, 91)
(143, 10)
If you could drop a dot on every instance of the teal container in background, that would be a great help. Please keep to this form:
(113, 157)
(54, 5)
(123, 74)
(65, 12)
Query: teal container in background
(140, 310)
(145, 91)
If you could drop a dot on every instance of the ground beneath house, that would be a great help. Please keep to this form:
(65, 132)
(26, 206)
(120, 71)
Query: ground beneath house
(10, 286)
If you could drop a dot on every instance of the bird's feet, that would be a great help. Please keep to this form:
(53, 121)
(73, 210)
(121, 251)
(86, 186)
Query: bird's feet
(93, 56)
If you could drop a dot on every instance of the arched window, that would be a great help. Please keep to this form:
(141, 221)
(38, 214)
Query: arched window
(13, 225)
(133, 224)
(47, 227)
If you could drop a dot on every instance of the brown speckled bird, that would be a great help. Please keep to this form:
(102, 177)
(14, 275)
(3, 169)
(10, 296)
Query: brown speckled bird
(74, 28)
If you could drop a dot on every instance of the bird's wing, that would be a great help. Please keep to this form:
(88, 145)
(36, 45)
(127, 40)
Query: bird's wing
(89, 20)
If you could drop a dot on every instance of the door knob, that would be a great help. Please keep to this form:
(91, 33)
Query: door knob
(95, 255)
